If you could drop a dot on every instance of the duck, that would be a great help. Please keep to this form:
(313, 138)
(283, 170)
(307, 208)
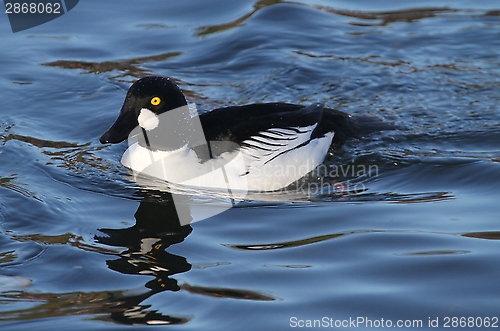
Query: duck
(259, 147)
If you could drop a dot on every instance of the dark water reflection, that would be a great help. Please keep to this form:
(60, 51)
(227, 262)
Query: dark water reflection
(157, 227)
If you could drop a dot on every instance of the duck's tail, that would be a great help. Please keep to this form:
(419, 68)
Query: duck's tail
(370, 124)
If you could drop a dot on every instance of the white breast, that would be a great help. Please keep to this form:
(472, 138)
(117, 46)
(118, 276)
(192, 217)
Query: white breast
(184, 168)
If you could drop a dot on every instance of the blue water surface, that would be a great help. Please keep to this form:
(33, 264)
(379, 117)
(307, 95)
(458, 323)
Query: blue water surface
(414, 239)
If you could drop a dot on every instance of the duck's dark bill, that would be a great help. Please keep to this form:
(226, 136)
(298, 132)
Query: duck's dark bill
(120, 130)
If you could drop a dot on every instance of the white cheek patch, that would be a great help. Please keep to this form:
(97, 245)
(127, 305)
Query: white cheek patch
(147, 119)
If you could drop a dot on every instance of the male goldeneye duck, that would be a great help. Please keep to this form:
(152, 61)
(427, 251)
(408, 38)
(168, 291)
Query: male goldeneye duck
(255, 147)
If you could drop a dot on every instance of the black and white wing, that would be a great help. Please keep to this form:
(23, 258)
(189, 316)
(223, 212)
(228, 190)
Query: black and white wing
(268, 145)
(262, 131)
(294, 130)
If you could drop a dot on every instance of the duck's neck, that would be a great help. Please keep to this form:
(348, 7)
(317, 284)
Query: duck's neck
(175, 130)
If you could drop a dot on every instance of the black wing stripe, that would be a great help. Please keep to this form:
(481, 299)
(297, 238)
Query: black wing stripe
(266, 141)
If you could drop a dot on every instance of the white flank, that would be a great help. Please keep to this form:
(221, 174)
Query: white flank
(286, 167)
(239, 171)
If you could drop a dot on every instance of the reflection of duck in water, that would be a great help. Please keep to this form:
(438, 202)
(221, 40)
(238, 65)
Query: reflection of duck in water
(157, 227)
(262, 147)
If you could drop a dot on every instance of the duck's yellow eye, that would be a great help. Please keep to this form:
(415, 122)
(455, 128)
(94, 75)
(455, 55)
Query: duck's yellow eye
(155, 101)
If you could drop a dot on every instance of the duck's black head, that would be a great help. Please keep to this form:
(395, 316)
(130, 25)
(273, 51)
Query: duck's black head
(146, 98)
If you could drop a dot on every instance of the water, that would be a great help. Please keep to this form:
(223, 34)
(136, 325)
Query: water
(415, 239)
